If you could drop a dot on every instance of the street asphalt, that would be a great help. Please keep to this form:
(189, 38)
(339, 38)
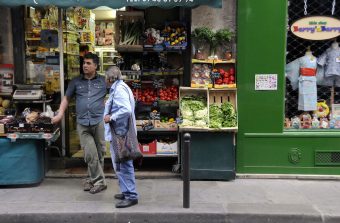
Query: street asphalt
(244, 200)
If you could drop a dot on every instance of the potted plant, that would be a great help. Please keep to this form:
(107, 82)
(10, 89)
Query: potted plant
(202, 36)
(224, 38)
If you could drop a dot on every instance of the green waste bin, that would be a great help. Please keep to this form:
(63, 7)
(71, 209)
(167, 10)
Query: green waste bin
(212, 155)
(22, 161)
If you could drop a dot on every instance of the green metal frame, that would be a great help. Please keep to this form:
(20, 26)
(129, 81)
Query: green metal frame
(263, 146)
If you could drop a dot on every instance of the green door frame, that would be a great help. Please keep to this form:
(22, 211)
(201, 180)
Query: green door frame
(262, 144)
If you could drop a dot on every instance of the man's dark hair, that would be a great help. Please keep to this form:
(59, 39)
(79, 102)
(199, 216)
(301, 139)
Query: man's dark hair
(83, 48)
(92, 56)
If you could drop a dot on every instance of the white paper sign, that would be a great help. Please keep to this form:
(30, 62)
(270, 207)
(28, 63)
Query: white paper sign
(266, 82)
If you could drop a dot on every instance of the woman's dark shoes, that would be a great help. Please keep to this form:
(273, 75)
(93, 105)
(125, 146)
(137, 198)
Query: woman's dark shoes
(88, 185)
(97, 188)
(126, 203)
(119, 196)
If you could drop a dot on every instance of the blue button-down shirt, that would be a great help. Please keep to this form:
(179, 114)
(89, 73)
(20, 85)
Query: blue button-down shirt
(90, 96)
(120, 106)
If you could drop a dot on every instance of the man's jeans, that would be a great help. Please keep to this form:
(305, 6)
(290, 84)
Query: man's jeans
(125, 175)
(93, 143)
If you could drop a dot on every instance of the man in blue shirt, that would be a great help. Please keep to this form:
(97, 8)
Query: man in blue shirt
(89, 90)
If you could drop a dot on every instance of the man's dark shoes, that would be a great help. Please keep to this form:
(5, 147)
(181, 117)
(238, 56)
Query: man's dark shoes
(126, 203)
(97, 188)
(119, 196)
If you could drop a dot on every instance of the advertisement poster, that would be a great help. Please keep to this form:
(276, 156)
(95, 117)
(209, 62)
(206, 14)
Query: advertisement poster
(266, 82)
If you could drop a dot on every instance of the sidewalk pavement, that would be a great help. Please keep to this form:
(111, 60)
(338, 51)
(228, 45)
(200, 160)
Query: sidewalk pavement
(61, 200)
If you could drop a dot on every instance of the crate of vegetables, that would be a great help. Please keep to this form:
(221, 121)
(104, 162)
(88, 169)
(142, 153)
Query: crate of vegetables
(194, 107)
(222, 109)
(169, 93)
(225, 79)
(129, 29)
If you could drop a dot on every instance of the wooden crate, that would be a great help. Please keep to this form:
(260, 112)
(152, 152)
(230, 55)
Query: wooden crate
(219, 96)
(202, 92)
(131, 17)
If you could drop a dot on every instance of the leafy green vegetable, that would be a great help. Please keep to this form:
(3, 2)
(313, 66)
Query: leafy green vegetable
(203, 33)
(230, 117)
(194, 111)
(215, 116)
(224, 36)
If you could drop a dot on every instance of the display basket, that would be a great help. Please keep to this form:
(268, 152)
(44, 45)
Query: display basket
(175, 35)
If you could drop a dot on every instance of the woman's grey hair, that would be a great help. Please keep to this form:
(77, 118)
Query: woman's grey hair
(113, 74)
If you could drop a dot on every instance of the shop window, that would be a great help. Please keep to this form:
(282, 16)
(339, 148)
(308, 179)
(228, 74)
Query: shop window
(296, 48)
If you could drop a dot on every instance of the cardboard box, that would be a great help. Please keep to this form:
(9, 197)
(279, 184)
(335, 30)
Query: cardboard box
(166, 148)
(149, 148)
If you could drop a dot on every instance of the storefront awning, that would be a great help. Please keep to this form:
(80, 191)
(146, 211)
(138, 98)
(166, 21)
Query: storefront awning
(115, 4)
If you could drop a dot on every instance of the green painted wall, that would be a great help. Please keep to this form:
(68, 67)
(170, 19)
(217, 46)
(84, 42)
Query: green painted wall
(262, 145)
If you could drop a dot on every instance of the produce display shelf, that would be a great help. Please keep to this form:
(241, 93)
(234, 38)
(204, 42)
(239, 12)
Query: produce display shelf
(34, 38)
(131, 72)
(202, 61)
(232, 61)
(192, 129)
(50, 137)
(200, 129)
(158, 130)
(223, 89)
(193, 89)
(166, 72)
(202, 85)
(159, 155)
(129, 48)
(164, 50)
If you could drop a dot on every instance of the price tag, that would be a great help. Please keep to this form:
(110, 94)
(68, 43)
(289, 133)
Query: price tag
(158, 83)
(136, 85)
(215, 75)
(155, 115)
(179, 120)
(155, 103)
(147, 126)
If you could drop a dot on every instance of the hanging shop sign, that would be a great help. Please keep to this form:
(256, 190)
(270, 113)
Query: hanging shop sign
(316, 28)
(114, 3)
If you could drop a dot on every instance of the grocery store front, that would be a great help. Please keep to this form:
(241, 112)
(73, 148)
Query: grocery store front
(160, 141)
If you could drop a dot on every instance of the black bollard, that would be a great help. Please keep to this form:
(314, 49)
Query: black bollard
(186, 171)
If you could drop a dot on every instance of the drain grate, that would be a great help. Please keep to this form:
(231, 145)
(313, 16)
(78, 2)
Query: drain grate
(327, 158)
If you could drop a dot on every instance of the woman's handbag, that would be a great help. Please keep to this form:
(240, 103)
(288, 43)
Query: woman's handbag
(127, 144)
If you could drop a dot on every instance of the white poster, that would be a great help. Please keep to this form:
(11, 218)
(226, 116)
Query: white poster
(265, 82)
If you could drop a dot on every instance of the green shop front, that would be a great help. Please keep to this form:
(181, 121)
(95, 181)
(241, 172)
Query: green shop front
(279, 133)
